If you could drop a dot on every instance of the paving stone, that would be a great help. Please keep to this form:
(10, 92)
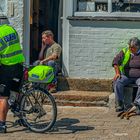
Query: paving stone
(80, 123)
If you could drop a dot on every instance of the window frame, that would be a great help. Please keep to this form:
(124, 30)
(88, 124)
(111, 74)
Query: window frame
(108, 13)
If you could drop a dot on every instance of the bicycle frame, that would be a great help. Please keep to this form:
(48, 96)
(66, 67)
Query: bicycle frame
(31, 92)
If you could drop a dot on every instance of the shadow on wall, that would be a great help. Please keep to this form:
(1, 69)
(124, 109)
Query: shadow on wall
(63, 84)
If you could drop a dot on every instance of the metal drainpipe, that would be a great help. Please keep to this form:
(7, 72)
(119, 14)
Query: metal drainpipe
(26, 31)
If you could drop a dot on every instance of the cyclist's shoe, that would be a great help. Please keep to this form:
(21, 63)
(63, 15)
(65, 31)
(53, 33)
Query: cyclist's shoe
(15, 108)
(3, 129)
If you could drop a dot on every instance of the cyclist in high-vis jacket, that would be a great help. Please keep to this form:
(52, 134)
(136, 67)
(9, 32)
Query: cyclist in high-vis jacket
(127, 71)
(11, 59)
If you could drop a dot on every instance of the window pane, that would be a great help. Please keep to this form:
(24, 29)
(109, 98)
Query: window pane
(92, 5)
(86, 5)
(126, 6)
(101, 6)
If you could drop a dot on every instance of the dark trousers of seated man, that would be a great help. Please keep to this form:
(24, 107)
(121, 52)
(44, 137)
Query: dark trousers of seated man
(119, 85)
(7, 73)
(52, 87)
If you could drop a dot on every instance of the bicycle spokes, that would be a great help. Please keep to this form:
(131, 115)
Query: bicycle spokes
(39, 110)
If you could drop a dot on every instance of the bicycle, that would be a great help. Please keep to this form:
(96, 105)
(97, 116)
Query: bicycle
(35, 106)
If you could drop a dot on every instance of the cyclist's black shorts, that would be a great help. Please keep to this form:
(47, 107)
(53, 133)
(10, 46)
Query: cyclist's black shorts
(7, 73)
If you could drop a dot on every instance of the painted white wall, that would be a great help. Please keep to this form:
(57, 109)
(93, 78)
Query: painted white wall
(67, 11)
(16, 19)
(17, 12)
(93, 45)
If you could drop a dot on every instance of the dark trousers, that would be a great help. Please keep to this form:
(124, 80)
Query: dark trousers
(7, 73)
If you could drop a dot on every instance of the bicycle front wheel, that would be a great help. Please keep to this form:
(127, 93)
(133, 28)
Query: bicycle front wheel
(39, 110)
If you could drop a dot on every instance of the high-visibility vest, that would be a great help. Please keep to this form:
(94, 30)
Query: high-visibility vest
(127, 54)
(10, 49)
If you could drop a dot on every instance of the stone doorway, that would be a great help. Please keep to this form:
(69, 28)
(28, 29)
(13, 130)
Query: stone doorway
(44, 15)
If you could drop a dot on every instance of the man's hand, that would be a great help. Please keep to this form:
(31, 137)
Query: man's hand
(117, 71)
(43, 45)
(41, 62)
(42, 51)
(116, 76)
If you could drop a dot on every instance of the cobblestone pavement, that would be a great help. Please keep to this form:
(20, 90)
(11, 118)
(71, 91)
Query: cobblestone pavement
(81, 123)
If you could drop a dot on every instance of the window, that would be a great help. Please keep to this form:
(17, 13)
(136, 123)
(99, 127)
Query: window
(126, 5)
(108, 7)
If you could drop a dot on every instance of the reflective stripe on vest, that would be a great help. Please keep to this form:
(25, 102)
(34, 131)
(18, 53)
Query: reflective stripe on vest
(3, 45)
(11, 54)
(126, 52)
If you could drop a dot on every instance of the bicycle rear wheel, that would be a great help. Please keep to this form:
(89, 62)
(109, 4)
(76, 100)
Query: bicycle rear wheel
(39, 110)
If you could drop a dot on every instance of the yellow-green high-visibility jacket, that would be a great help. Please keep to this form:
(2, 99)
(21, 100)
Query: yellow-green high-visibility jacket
(127, 54)
(10, 49)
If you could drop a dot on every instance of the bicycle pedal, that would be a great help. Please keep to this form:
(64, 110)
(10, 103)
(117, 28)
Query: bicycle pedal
(15, 123)
(20, 122)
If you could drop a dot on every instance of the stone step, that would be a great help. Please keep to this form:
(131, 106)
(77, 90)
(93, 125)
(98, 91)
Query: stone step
(81, 98)
(83, 84)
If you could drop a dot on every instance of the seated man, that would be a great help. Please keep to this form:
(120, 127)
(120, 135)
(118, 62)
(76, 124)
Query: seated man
(127, 69)
(50, 55)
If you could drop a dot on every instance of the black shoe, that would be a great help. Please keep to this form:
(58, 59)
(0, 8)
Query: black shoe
(3, 129)
(15, 108)
(119, 108)
(119, 105)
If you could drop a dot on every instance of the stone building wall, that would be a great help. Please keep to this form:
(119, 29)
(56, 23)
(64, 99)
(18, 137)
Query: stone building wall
(13, 10)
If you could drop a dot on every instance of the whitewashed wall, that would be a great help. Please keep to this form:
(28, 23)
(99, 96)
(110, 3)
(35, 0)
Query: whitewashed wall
(93, 45)
(13, 10)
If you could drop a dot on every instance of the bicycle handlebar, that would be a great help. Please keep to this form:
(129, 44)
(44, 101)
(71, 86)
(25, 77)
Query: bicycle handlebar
(27, 65)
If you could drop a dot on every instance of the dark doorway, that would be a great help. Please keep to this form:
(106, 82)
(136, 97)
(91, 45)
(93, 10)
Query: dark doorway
(44, 15)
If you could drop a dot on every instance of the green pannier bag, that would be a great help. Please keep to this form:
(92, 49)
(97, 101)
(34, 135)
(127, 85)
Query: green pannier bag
(41, 74)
